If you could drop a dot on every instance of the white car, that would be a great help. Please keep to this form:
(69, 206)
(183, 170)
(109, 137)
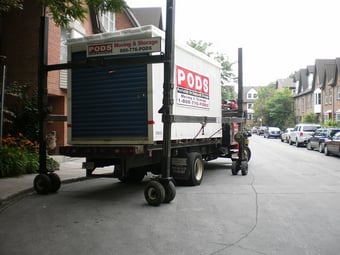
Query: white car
(301, 133)
(286, 134)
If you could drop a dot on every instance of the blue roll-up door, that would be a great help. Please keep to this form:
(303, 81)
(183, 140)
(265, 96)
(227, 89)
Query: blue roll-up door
(109, 102)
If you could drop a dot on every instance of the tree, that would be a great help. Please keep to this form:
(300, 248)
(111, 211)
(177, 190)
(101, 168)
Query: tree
(7, 5)
(310, 118)
(227, 74)
(260, 111)
(280, 109)
(64, 11)
(275, 107)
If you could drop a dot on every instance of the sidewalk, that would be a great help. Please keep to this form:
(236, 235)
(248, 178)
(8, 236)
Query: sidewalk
(13, 187)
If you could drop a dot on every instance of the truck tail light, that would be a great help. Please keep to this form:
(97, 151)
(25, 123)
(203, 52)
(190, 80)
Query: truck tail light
(301, 133)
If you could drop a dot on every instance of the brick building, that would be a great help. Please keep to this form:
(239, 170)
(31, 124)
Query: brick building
(19, 42)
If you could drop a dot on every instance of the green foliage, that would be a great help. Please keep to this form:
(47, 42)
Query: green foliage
(227, 74)
(260, 111)
(7, 5)
(22, 116)
(201, 46)
(275, 107)
(19, 155)
(310, 118)
(67, 10)
(64, 11)
(228, 92)
(332, 123)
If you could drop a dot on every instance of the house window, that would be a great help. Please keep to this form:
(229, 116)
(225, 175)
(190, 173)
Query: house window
(325, 97)
(250, 106)
(337, 117)
(318, 98)
(302, 105)
(249, 96)
(330, 96)
(255, 95)
(108, 21)
(338, 97)
(249, 116)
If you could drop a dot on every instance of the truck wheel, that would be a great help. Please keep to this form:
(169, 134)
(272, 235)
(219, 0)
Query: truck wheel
(154, 193)
(135, 175)
(195, 168)
(244, 167)
(290, 141)
(235, 168)
(55, 182)
(247, 152)
(170, 192)
(42, 184)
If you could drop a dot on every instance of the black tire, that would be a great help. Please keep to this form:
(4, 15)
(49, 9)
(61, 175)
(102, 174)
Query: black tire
(195, 167)
(170, 192)
(247, 152)
(244, 167)
(321, 147)
(55, 182)
(234, 168)
(297, 144)
(309, 146)
(326, 151)
(42, 184)
(135, 175)
(154, 193)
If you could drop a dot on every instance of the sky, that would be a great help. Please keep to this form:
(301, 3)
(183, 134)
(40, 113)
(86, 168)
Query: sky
(277, 37)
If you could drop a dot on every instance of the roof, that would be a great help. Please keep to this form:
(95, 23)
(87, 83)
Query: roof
(330, 73)
(320, 70)
(137, 16)
(149, 16)
(301, 77)
(285, 83)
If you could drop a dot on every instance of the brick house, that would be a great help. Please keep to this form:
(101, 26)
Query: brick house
(318, 90)
(303, 98)
(19, 42)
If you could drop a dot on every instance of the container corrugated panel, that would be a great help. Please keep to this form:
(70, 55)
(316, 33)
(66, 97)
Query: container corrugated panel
(109, 102)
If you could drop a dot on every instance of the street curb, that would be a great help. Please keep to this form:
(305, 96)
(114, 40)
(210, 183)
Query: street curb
(6, 201)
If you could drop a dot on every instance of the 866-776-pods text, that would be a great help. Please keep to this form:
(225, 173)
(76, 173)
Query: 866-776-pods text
(136, 49)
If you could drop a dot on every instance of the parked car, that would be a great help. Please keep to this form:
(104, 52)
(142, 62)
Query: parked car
(332, 146)
(320, 136)
(286, 134)
(260, 130)
(254, 130)
(274, 132)
(301, 133)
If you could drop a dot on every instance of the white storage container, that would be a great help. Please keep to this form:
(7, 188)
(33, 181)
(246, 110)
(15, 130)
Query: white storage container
(119, 104)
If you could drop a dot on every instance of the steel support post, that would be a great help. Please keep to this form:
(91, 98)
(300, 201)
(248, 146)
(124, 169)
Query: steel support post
(168, 88)
(2, 99)
(240, 103)
(42, 92)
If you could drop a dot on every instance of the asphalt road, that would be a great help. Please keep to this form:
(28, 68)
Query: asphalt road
(289, 203)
